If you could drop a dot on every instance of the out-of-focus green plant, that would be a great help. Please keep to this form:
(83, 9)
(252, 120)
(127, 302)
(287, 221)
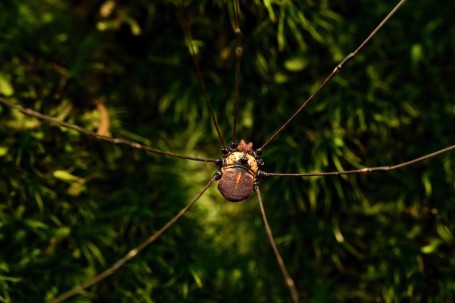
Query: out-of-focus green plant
(71, 206)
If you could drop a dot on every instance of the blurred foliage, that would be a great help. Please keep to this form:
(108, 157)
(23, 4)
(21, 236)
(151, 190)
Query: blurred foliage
(70, 206)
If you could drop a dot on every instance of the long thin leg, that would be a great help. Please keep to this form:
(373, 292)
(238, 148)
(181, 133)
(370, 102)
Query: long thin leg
(287, 277)
(365, 170)
(131, 254)
(200, 77)
(238, 55)
(335, 71)
(118, 141)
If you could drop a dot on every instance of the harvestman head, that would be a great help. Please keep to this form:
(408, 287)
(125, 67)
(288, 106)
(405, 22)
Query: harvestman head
(239, 168)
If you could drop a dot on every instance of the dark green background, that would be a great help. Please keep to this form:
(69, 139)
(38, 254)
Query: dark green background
(386, 237)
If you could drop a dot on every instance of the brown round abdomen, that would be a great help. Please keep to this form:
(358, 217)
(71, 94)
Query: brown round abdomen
(236, 184)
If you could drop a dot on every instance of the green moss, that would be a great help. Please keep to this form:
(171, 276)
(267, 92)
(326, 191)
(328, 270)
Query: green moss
(71, 206)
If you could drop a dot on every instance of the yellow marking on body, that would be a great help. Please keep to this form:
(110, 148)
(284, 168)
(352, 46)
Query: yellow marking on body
(239, 175)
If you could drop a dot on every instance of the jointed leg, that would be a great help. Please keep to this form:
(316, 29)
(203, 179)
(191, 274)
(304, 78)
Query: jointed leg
(365, 170)
(287, 277)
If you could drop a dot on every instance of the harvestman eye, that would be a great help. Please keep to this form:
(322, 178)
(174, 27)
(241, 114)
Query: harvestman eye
(239, 170)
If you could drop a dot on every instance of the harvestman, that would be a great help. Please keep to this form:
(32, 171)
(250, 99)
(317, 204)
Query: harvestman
(239, 169)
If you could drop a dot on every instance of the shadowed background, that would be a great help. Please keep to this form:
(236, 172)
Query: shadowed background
(71, 206)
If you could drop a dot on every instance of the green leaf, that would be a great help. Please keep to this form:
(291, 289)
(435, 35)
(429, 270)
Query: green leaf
(65, 176)
(6, 88)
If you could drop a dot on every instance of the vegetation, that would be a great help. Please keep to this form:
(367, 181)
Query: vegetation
(71, 206)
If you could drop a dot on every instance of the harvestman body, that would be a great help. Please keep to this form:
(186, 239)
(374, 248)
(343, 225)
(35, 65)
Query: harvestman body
(238, 172)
